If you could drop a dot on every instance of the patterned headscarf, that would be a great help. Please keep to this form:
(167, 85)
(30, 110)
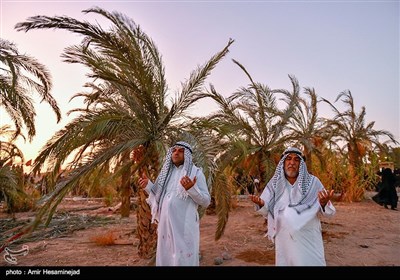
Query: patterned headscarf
(277, 184)
(159, 187)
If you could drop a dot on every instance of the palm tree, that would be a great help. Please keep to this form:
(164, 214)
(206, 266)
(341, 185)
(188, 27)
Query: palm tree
(307, 129)
(350, 127)
(127, 110)
(9, 154)
(20, 76)
(250, 128)
(254, 123)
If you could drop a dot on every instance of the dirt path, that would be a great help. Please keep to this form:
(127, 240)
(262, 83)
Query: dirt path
(361, 234)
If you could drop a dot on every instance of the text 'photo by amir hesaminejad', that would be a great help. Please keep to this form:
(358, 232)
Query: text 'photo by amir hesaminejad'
(42, 271)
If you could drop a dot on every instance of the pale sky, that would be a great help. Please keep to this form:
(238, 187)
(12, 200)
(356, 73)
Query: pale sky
(331, 46)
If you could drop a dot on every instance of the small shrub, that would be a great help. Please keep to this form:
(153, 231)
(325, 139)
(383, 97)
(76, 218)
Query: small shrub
(104, 239)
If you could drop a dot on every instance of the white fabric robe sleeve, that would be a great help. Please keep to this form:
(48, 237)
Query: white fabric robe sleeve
(151, 201)
(148, 187)
(262, 210)
(199, 192)
(329, 210)
(265, 196)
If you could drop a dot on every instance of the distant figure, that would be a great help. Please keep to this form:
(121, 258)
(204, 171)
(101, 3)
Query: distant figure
(174, 198)
(252, 184)
(387, 194)
(291, 202)
(257, 190)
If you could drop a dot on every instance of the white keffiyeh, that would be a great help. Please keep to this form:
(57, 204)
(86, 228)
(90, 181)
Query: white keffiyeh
(278, 182)
(159, 188)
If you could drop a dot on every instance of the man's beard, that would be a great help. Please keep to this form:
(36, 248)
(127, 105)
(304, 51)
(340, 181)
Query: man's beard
(291, 173)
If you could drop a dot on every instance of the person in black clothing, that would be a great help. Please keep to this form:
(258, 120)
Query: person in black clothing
(387, 194)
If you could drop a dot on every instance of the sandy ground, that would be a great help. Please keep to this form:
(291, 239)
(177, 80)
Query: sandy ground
(360, 234)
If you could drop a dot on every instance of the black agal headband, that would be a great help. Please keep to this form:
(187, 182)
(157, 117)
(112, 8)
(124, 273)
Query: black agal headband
(293, 152)
(185, 146)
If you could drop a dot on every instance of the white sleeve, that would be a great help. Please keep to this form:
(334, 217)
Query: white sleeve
(262, 210)
(148, 187)
(265, 196)
(330, 210)
(199, 192)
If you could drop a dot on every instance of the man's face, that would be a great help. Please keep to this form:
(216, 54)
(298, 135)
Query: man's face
(178, 156)
(291, 166)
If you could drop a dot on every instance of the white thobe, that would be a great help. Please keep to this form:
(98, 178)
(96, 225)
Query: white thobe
(297, 237)
(178, 228)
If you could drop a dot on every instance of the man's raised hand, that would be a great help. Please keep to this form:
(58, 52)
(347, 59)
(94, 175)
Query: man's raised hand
(143, 180)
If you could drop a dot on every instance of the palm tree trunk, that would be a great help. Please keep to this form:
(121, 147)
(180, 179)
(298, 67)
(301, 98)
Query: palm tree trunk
(307, 154)
(146, 231)
(126, 190)
(353, 158)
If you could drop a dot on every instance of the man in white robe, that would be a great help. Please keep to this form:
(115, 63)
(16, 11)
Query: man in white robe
(291, 202)
(174, 199)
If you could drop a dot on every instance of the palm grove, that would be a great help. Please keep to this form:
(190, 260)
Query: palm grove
(130, 118)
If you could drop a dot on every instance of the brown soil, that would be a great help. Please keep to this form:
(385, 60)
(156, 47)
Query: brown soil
(360, 234)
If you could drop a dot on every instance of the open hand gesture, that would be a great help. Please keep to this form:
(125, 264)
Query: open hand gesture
(324, 196)
(143, 180)
(187, 183)
(257, 200)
